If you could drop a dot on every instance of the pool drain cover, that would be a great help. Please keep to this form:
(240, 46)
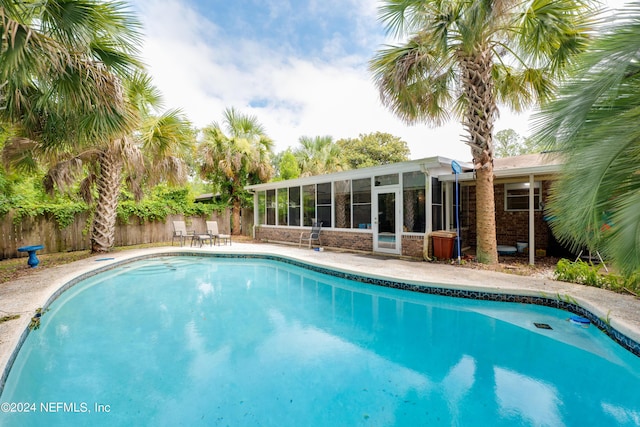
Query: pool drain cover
(542, 326)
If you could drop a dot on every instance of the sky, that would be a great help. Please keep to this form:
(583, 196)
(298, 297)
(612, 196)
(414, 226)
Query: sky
(299, 66)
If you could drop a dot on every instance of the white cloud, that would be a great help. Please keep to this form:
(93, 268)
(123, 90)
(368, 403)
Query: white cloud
(203, 72)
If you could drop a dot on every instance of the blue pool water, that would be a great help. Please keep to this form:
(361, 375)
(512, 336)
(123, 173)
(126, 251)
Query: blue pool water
(204, 341)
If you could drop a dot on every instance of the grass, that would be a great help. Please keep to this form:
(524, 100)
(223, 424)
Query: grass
(11, 269)
(14, 268)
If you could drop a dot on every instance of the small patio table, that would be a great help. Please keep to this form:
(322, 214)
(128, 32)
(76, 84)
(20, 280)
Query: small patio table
(33, 260)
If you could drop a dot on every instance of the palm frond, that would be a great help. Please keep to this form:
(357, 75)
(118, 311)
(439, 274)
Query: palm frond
(86, 188)
(60, 58)
(142, 94)
(175, 133)
(170, 169)
(415, 82)
(395, 15)
(80, 22)
(63, 174)
(20, 154)
(521, 88)
(591, 125)
(130, 153)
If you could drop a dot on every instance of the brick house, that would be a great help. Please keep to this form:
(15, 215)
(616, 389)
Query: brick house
(389, 209)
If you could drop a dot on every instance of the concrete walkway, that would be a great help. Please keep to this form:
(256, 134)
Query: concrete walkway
(25, 295)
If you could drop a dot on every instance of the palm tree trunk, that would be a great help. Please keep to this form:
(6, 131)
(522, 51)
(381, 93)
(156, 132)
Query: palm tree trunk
(487, 249)
(235, 218)
(478, 120)
(104, 220)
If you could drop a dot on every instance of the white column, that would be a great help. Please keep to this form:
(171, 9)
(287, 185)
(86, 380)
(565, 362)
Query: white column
(448, 203)
(428, 210)
(256, 214)
(428, 200)
(532, 228)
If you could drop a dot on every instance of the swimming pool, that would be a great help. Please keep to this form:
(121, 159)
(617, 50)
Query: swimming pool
(209, 341)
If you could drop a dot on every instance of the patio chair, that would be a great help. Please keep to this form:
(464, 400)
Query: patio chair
(313, 236)
(180, 232)
(212, 230)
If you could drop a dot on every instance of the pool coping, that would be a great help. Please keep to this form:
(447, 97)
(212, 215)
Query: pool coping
(577, 299)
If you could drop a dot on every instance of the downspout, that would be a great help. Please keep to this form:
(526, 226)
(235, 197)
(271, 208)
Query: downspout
(428, 210)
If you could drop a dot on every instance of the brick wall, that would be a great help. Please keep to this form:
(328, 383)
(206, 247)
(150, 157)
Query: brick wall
(329, 238)
(353, 240)
(412, 246)
(511, 227)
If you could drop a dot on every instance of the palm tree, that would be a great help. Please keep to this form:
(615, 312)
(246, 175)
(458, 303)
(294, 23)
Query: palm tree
(58, 57)
(318, 155)
(234, 154)
(462, 58)
(149, 153)
(61, 70)
(594, 126)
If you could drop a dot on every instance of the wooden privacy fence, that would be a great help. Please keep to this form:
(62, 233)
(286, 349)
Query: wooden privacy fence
(46, 231)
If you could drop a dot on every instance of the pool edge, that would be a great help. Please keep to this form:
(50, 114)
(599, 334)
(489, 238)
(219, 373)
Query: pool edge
(618, 331)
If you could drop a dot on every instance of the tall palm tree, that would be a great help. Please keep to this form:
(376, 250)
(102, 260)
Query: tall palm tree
(61, 68)
(151, 153)
(318, 155)
(234, 154)
(146, 151)
(462, 57)
(594, 125)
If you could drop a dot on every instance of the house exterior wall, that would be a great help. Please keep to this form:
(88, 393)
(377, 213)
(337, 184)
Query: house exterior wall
(412, 246)
(435, 204)
(330, 238)
(511, 226)
(352, 240)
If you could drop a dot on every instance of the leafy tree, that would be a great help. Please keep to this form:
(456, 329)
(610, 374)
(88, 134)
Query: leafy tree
(463, 57)
(373, 149)
(235, 154)
(594, 125)
(318, 155)
(509, 143)
(288, 166)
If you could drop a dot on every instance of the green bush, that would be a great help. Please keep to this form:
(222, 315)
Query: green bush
(592, 275)
(63, 212)
(164, 201)
(26, 197)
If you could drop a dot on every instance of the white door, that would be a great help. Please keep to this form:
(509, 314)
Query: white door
(387, 222)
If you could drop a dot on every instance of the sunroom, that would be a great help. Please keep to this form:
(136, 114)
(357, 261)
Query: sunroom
(384, 209)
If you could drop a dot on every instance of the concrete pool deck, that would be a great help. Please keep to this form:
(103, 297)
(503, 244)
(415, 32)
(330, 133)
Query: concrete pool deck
(25, 295)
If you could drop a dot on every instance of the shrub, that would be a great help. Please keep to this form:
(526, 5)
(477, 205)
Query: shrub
(164, 201)
(591, 275)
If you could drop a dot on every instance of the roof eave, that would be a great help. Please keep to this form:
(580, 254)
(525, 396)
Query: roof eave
(508, 173)
(419, 164)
